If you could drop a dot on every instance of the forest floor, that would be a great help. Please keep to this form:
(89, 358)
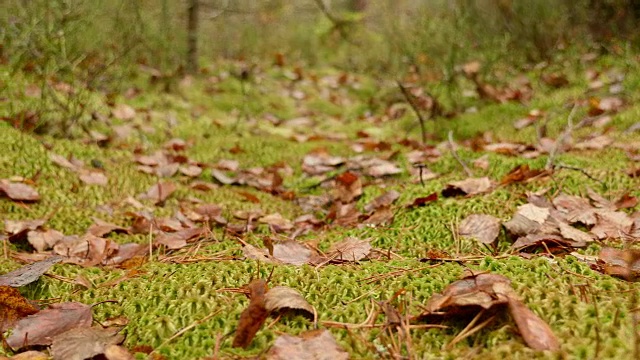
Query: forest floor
(266, 175)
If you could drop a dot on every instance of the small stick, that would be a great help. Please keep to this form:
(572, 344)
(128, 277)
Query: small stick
(455, 155)
(561, 139)
(409, 98)
(583, 171)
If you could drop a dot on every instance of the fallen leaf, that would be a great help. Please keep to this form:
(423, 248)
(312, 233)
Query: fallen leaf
(422, 201)
(42, 240)
(94, 178)
(348, 187)
(254, 316)
(159, 192)
(310, 345)
(179, 239)
(535, 332)
(282, 298)
(277, 222)
(83, 343)
(291, 252)
(383, 200)
(115, 352)
(624, 264)
(13, 307)
(350, 249)
(522, 173)
(41, 327)
(18, 191)
(484, 228)
(468, 187)
(528, 219)
(28, 273)
(123, 112)
(252, 252)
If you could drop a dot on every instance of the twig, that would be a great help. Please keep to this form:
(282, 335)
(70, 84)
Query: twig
(455, 155)
(338, 24)
(561, 139)
(408, 96)
(468, 331)
(583, 171)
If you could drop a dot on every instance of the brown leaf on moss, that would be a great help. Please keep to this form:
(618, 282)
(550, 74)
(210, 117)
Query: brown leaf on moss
(42, 240)
(283, 298)
(310, 345)
(18, 191)
(468, 187)
(348, 187)
(535, 332)
(254, 316)
(13, 307)
(624, 264)
(41, 327)
(522, 173)
(83, 343)
(101, 228)
(159, 192)
(422, 201)
(179, 239)
(292, 252)
(350, 249)
(383, 200)
(484, 228)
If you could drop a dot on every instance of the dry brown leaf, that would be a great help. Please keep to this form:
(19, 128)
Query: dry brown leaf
(94, 178)
(422, 201)
(18, 191)
(28, 355)
(282, 298)
(522, 173)
(468, 187)
(42, 240)
(612, 224)
(348, 187)
(28, 273)
(179, 239)
(621, 263)
(252, 252)
(83, 343)
(159, 192)
(253, 316)
(529, 219)
(535, 332)
(350, 249)
(40, 328)
(291, 252)
(123, 112)
(484, 228)
(310, 345)
(13, 307)
(383, 200)
(100, 228)
(115, 352)
(277, 222)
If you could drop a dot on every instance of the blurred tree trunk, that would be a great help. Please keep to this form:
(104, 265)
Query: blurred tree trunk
(192, 37)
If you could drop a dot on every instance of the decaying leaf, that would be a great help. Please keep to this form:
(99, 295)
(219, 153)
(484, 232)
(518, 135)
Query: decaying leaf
(310, 345)
(621, 263)
(291, 252)
(41, 327)
(28, 273)
(484, 228)
(348, 187)
(83, 343)
(282, 298)
(42, 240)
(424, 200)
(350, 249)
(535, 332)
(179, 239)
(468, 187)
(18, 191)
(13, 307)
(253, 316)
(159, 192)
(522, 173)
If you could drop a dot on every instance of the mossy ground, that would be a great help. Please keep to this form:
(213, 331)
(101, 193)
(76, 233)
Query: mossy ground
(168, 297)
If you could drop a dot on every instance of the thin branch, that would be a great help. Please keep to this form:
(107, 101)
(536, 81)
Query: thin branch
(409, 97)
(455, 155)
(561, 139)
(583, 171)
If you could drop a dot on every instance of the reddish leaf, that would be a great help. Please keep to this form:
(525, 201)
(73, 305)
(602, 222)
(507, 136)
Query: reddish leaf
(13, 307)
(253, 316)
(422, 201)
(40, 328)
(348, 187)
(521, 173)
